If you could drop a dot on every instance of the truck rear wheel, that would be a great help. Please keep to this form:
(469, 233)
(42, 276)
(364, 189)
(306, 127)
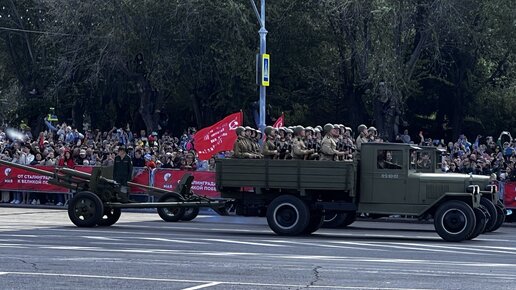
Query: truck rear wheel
(288, 215)
(339, 219)
(454, 221)
(480, 226)
(171, 214)
(491, 208)
(316, 221)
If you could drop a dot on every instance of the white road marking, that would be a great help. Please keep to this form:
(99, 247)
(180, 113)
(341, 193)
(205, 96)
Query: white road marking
(198, 281)
(243, 243)
(3, 273)
(173, 241)
(489, 250)
(203, 286)
(323, 245)
(100, 238)
(389, 245)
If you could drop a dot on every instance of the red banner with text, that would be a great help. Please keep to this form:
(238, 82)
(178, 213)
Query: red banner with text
(203, 184)
(218, 137)
(16, 179)
(509, 195)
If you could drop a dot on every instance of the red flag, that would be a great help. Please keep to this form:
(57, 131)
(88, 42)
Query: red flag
(280, 122)
(218, 137)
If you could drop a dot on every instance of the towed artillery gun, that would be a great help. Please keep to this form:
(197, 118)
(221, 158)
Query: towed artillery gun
(297, 196)
(98, 200)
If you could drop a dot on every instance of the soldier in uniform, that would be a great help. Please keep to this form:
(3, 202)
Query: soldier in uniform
(123, 172)
(269, 150)
(363, 136)
(299, 149)
(373, 134)
(258, 135)
(317, 138)
(329, 145)
(285, 145)
(349, 147)
(281, 141)
(241, 147)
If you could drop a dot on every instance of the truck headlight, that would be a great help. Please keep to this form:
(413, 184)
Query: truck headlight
(475, 189)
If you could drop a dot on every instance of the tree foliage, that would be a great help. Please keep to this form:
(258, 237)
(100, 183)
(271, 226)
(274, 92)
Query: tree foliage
(446, 66)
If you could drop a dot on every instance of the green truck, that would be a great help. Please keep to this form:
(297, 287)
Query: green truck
(299, 196)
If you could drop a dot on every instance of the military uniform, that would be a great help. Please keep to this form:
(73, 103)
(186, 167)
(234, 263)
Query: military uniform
(242, 146)
(269, 150)
(329, 145)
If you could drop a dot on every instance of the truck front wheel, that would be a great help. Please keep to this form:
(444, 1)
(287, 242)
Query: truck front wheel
(454, 221)
(288, 215)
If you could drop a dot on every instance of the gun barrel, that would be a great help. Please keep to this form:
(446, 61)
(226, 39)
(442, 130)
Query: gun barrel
(75, 173)
(28, 168)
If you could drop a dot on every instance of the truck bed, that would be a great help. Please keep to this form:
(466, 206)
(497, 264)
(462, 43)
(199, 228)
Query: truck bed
(301, 175)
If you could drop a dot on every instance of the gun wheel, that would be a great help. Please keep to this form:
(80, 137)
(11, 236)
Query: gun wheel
(171, 214)
(110, 217)
(85, 209)
(190, 213)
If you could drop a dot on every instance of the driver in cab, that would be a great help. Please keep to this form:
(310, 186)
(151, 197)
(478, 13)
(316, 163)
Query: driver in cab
(385, 161)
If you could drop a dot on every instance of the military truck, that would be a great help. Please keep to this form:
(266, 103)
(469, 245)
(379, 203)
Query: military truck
(386, 179)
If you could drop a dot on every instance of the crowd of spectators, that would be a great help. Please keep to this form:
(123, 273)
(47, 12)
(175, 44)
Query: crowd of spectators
(483, 156)
(62, 145)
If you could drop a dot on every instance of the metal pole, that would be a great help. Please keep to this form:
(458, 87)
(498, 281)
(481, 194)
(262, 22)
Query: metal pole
(263, 49)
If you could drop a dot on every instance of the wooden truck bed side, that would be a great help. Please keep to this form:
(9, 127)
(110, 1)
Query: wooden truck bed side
(286, 174)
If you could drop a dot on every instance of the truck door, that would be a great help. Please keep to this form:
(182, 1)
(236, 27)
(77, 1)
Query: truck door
(390, 176)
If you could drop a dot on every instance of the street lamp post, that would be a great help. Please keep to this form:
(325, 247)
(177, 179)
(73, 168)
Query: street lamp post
(263, 50)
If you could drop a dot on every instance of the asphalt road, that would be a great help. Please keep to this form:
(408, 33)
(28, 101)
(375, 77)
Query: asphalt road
(41, 249)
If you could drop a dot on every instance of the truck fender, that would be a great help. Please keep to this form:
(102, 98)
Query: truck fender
(472, 199)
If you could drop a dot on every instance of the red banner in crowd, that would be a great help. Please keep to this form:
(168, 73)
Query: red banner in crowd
(218, 137)
(509, 195)
(280, 122)
(203, 184)
(16, 179)
(140, 176)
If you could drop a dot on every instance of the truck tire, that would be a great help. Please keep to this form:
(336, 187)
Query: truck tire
(316, 221)
(85, 209)
(500, 217)
(171, 214)
(110, 217)
(288, 215)
(454, 221)
(190, 213)
(491, 208)
(480, 226)
(339, 219)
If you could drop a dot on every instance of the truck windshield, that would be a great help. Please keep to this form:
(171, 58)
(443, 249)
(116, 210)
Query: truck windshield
(421, 160)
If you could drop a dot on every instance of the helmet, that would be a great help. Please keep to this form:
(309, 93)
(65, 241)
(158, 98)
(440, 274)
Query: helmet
(372, 129)
(328, 127)
(316, 130)
(248, 128)
(349, 129)
(298, 129)
(239, 130)
(268, 130)
(309, 129)
(318, 127)
(362, 127)
(289, 131)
